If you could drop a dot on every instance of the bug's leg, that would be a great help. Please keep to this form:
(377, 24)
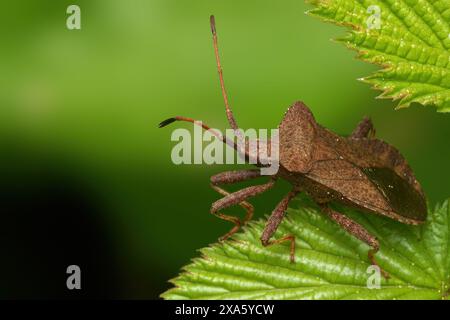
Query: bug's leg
(274, 221)
(229, 177)
(237, 222)
(357, 231)
(234, 198)
(364, 129)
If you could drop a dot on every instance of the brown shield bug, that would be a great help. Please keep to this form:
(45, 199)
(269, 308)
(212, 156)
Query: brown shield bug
(359, 171)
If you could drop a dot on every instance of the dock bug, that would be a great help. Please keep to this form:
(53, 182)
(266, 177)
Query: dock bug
(358, 171)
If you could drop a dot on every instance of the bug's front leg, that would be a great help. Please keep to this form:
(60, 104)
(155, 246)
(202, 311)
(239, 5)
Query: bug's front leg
(237, 197)
(357, 231)
(274, 221)
(229, 177)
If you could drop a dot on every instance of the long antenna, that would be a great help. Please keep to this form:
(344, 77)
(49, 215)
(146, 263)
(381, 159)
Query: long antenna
(230, 116)
(204, 126)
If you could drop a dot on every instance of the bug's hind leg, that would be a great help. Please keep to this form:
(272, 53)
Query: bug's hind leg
(274, 221)
(357, 231)
(237, 197)
(364, 129)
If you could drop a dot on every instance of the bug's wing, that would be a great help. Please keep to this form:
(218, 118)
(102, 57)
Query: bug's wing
(402, 197)
(296, 134)
(382, 155)
(379, 190)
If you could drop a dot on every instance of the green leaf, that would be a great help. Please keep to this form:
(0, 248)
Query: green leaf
(330, 263)
(412, 44)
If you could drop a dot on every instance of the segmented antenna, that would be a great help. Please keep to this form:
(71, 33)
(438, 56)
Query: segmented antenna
(230, 116)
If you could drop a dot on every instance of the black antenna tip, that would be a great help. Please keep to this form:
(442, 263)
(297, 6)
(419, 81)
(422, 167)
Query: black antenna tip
(166, 122)
(213, 24)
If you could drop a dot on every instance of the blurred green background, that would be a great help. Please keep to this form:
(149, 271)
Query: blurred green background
(79, 113)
